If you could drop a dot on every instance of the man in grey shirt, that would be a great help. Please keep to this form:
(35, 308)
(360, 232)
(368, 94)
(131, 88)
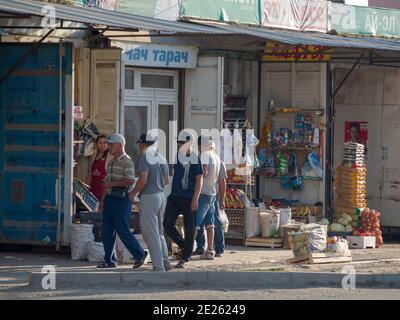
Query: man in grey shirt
(153, 176)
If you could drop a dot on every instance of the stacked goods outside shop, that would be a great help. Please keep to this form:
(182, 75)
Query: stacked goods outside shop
(353, 217)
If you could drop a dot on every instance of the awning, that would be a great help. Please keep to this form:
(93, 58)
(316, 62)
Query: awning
(108, 18)
(317, 39)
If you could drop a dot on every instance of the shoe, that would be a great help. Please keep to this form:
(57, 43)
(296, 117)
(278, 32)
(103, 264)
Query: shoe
(181, 265)
(219, 255)
(139, 263)
(208, 255)
(198, 252)
(167, 266)
(106, 265)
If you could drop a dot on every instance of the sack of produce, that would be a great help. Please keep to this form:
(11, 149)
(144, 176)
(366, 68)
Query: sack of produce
(269, 221)
(285, 218)
(298, 242)
(95, 252)
(253, 226)
(316, 236)
(80, 236)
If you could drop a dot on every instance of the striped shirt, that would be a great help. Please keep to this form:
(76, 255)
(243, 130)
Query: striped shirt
(120, 169)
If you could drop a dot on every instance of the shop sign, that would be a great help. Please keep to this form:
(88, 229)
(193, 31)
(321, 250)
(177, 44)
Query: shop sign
(301, 15)
(163, 9)
(364, 20)
(278, 52)
(159, 55)
(243, 11)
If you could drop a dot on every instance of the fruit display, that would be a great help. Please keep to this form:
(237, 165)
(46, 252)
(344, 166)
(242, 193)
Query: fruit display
(234, 178)
(370, 226)
(302, 211)
(236, 199)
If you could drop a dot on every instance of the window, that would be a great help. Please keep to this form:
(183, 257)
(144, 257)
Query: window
(129, 79)
(157, 81)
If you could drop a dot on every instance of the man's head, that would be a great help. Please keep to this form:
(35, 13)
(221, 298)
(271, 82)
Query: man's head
(354, 131)
(146, 140)
(116, 144)
(183, 138)
(204, 143)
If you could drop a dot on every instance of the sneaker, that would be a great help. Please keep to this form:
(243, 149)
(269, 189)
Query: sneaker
(198, 252)
(208, 255)
(181, 265)
(139, 263)
(106, 265)
(219, 255)
(167, 266)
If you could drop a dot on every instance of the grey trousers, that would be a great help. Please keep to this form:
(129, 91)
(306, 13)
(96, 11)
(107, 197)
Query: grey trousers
(152, 208)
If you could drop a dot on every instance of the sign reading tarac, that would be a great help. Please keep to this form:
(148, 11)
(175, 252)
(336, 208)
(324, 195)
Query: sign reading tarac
(151, 55)
(278, 52)
(364, 20)
(301, 15)
(243, 11)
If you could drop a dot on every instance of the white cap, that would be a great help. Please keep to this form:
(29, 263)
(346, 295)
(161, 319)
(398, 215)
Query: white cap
(117, 138)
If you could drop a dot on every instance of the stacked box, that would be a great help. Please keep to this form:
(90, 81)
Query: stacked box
(350, 183)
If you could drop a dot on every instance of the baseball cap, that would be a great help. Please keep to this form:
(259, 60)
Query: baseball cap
(146, 138)
(184, 137)
(117, 138)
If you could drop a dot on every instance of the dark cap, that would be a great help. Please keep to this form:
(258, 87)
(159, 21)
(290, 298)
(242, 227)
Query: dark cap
(146, 139)
(184, 137)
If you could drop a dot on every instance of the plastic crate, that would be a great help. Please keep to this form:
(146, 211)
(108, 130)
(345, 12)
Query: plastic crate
(361, 242)
(87, 198)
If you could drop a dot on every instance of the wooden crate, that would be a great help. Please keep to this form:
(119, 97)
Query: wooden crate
(272, 243)
(322, 258)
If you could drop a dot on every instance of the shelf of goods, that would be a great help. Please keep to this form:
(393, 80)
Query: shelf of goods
(290, 147)
(238, 198)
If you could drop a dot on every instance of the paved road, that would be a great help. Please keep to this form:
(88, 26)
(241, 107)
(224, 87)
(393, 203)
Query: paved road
(203, 294)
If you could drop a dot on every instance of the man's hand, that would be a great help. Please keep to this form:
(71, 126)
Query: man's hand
(132, 195)
(107, 185)
(194, 205)
(222, 205)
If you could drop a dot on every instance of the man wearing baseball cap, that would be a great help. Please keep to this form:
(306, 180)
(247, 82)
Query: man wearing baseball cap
(116, 205)
(184, 198)
(153, 177)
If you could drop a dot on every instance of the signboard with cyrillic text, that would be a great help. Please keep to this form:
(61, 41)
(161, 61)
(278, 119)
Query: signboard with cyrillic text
(364, 21)
(163, 56)
(278, 52)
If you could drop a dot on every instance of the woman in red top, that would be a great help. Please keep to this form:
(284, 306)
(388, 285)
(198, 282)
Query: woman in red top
(98, 166)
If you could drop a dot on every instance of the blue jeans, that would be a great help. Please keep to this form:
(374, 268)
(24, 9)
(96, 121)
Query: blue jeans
(219, 240)
(205, 212)
(116, 219)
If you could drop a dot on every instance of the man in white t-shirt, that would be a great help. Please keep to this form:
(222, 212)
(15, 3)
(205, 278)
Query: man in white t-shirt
(206, 211)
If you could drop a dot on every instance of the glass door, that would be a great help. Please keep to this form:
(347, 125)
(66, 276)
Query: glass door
(166, 123)
(137, 120)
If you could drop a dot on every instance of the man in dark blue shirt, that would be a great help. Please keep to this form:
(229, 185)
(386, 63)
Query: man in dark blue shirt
(186, 186)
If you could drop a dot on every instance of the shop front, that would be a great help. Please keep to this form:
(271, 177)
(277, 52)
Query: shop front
(152, 85)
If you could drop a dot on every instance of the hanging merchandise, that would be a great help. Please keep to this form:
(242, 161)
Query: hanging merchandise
(294, 175)
(315, 164)
(270, 168)
(282, 164)
(307, 171)
(237, 147)
(251, 155)
(266, 133)
(89, 135)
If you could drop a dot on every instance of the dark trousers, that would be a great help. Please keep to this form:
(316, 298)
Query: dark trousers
(116, 220)
(176, 206)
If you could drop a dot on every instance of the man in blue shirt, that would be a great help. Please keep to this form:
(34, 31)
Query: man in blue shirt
(184, 198)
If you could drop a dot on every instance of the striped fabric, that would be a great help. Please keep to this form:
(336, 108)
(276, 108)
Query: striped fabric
(121, 169)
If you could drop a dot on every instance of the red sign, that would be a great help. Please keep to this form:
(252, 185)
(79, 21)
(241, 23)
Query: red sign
(356, 131)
